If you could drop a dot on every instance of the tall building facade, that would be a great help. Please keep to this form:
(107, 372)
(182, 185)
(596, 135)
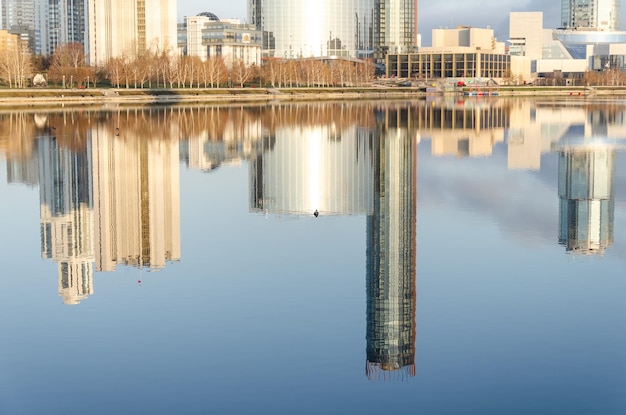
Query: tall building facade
(346, 28)
(305, 28)
(18, 17)
(59, 22)
(395, 27)
(592, 14)
(119, 27)
(18, 13)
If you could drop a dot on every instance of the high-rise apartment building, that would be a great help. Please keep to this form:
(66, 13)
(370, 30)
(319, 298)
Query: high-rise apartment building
(593, 14)
(120, 27)
(18, 17)
(347, 28)
(18, 13)
(60, 22)
(395, 27)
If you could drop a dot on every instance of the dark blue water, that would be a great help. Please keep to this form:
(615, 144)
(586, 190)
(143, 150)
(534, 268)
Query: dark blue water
(468, 258)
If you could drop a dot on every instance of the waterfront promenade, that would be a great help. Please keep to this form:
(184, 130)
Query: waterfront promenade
(96, 96)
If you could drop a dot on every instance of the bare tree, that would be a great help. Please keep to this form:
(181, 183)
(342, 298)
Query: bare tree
(239, 73)
(16, 65)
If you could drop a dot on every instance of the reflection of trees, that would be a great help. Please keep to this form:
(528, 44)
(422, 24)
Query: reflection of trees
(17, 134)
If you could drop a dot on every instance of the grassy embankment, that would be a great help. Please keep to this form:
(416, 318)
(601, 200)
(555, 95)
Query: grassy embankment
(50, 96)
(46, 96)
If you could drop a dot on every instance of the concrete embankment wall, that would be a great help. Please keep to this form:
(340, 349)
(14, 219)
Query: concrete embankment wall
(32, 97)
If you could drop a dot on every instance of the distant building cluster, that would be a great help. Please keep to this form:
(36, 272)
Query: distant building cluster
(105, 29)
(275, 28)
(588, 40)
(382, 31)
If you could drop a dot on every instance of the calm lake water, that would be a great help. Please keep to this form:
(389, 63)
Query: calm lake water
(467, 257)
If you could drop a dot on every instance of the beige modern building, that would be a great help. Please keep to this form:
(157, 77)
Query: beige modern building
(464, 52)
(118, 27)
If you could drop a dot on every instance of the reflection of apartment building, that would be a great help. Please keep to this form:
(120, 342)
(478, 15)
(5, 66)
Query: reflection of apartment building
(137, 199)
(391, 251)
(66, 197)
(303, 169)
(24, 169)
(586, 199)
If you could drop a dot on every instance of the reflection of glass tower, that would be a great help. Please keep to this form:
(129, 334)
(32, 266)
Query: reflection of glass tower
(391, 250)
(586, 199)
(321, 169)
(137, 199)
(66, 197)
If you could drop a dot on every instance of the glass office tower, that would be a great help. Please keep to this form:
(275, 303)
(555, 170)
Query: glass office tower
(395, 27)
(595, 14)
(294, 29)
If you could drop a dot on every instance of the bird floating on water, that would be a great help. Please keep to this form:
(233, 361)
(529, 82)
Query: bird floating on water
(316, 213)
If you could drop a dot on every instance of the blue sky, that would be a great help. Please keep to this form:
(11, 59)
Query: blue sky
(432, 14)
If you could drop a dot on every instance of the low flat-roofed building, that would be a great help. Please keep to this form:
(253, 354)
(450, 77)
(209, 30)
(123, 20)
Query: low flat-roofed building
(464, 52)
(458, 63)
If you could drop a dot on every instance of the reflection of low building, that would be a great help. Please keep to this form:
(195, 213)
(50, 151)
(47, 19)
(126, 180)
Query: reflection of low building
(66, 198)
(391, 253)
(313, 168)
(537, 129)
(463, 131)
(586, 198)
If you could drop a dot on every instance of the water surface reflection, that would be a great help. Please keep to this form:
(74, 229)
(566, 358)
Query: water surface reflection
(109, 182)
